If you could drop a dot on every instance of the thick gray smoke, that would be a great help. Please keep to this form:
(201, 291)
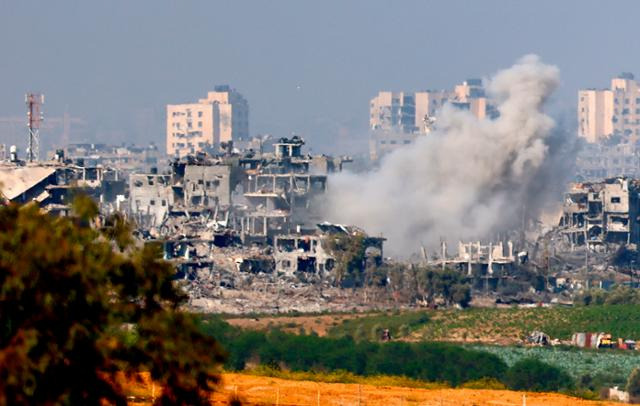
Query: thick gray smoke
(470, 178)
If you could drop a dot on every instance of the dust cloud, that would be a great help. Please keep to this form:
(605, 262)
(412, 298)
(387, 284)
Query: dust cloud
(468, 179)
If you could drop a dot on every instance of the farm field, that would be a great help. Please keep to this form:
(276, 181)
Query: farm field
(261, 390)
(503, 326)
(612, 366)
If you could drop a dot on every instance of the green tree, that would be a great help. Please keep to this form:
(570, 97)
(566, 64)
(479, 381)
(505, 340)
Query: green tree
(349, 252)
(534, 375)
(633, 383)
(80, 304)
(447, 284)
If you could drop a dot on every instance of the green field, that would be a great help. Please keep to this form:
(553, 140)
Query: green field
(497, 325)
(609, 366)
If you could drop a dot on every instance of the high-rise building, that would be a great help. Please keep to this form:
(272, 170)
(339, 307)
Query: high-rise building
(222, 116)
(606, 112)
(397, 118)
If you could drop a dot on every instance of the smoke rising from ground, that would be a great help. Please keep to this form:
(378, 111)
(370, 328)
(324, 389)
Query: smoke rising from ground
(468, 179)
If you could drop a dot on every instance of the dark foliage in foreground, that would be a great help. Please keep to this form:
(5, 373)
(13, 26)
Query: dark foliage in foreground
(79, 304)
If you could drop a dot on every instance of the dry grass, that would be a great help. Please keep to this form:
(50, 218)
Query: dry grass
(318, 324)
(262, 390)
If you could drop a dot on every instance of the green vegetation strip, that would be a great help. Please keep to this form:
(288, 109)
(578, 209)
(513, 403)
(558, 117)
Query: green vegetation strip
(428, 362)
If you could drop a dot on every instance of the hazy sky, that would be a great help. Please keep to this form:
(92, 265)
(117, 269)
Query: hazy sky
(305, 67)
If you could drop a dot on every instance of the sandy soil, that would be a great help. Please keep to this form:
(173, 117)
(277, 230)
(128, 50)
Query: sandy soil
(257, 390)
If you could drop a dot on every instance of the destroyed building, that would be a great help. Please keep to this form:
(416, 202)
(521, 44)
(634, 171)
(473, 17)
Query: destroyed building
(485, 264)
(53, 184)
(307, 250)
(259, 196)
(126, 158)
(597, 213)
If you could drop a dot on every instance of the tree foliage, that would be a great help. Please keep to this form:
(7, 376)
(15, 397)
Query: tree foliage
(349, 252)
(617, 296)
(435, 362)
(449, 285)
(633, 383)
(534, 375)
(79, 303)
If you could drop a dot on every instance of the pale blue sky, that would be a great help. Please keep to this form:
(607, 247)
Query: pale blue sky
(113, 61)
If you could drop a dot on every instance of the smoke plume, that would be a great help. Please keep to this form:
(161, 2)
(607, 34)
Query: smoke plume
(468, 179)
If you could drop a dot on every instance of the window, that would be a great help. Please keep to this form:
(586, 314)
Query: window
(164, 202)
(152, 202)
(383, 142)
(407, 141)
(626, 101)
(392, 142)
(199, 114)
(200, 124)
(615, 199)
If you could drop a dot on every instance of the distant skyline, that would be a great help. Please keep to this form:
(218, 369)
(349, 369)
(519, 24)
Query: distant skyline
(305, 67)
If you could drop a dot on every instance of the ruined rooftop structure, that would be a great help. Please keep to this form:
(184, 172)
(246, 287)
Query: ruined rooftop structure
(52, 184)
(597, 213)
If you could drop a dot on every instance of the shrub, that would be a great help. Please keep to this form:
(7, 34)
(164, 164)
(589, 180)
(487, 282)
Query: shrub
(633, 384)
(533, 375)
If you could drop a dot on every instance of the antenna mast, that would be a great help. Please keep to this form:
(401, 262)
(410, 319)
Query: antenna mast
(34, 103)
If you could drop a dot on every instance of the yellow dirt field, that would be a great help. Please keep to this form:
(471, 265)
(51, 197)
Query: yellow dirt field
(259, 390)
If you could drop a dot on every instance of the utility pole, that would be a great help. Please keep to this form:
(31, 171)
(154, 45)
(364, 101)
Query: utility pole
(34, 102)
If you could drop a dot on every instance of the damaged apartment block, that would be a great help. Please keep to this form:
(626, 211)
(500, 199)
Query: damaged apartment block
(598, 213)
(308, 251)
(486, 265)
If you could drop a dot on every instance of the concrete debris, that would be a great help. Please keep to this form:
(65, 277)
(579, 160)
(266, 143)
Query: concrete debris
(538, 338)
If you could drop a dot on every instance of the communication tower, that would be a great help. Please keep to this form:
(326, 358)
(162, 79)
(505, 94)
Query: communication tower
(34, 103)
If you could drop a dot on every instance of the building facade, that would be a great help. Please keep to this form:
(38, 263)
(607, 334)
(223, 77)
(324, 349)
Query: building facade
(397, 118)
(221, 117)
(606, 112)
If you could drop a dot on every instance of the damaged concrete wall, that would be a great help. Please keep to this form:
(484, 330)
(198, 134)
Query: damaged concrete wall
(150, 198)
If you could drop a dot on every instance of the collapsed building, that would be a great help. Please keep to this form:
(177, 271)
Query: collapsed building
(53, 184)
(308, 250)
(240, 200)
(258, 196)
(485, 265)
(597, 213)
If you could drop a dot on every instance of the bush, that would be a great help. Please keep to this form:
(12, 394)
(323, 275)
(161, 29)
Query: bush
(533, 375)
(633, 384)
